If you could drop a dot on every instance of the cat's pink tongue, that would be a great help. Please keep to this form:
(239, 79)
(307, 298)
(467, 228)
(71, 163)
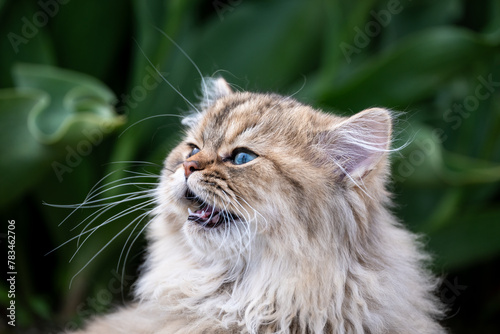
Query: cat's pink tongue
(205, 213)
(207, 216)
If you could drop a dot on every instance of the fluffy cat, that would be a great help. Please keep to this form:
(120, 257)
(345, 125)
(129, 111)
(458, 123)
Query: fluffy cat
(273, 217)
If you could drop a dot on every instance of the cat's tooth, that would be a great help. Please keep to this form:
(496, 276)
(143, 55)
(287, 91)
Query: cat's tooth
(190, 212)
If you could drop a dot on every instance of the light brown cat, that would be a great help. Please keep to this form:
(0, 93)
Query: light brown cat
(273, 217)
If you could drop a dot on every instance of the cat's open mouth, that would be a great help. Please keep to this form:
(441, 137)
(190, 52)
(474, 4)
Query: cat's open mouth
(207, 215)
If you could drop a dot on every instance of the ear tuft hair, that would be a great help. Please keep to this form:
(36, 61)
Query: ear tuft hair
(358, 144)
(212, 90)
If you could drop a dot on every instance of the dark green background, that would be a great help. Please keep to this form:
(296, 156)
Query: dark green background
(429, 60)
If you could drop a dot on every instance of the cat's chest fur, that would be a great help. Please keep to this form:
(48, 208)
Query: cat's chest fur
(273, 217)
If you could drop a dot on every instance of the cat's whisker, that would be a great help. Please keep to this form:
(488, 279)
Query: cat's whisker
(129, 197)
(212, 213)
(144, 174)
(245, 224)
(233, 86)
(81, 233)
(79, 205)
(230, 225)
(205, 88)
(112, 182)
(97, 214)
(227, 221)
(302, 87)
(360, 187)
(136, 184)
(229, 202)
(136, 162)
(102, 211)
(113, 218)
(100, 251)
(69, 240)
(133, 241)
(93, 193)
(148, 118)
(166, 81)
(256, 212)
(93, 204)
(142, 217)
(90, 203)
(241, 241)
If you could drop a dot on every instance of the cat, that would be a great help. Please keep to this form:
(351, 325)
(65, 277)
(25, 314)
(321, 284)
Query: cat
(274, 217)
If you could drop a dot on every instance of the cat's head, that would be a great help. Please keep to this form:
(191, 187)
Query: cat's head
(268, 170)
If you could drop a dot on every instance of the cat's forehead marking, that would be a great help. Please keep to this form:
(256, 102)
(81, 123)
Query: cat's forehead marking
(258, 122)
(233, 116)
(250, 120)
(215, 122)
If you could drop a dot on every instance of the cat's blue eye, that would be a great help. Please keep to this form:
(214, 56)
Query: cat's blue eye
(193, 151)
(243, 157)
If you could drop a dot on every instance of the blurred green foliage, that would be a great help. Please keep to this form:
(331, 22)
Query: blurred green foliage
(76, 76)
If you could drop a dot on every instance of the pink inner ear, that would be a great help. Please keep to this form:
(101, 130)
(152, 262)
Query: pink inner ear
(355, 158)
(358, 144)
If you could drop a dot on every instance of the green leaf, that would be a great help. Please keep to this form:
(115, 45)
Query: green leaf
(424, 162)
(77, 103)
(95, 48)
(409, 71)
(462, 170)
(472, 237)
(492, 30)
(22, 154)
(415, 16)
(342, 28)
(23, 40)
(51, 113)
(420, 162)
(2, 4)
(278, 38)
(152, 53)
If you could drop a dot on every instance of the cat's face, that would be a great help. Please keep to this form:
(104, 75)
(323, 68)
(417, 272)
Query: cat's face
(254, 169)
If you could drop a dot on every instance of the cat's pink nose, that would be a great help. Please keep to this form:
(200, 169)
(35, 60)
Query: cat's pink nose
(190, 167)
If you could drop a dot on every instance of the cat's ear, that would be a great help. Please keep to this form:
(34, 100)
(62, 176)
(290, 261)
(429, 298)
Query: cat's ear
(360, 143)
(212, 90)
